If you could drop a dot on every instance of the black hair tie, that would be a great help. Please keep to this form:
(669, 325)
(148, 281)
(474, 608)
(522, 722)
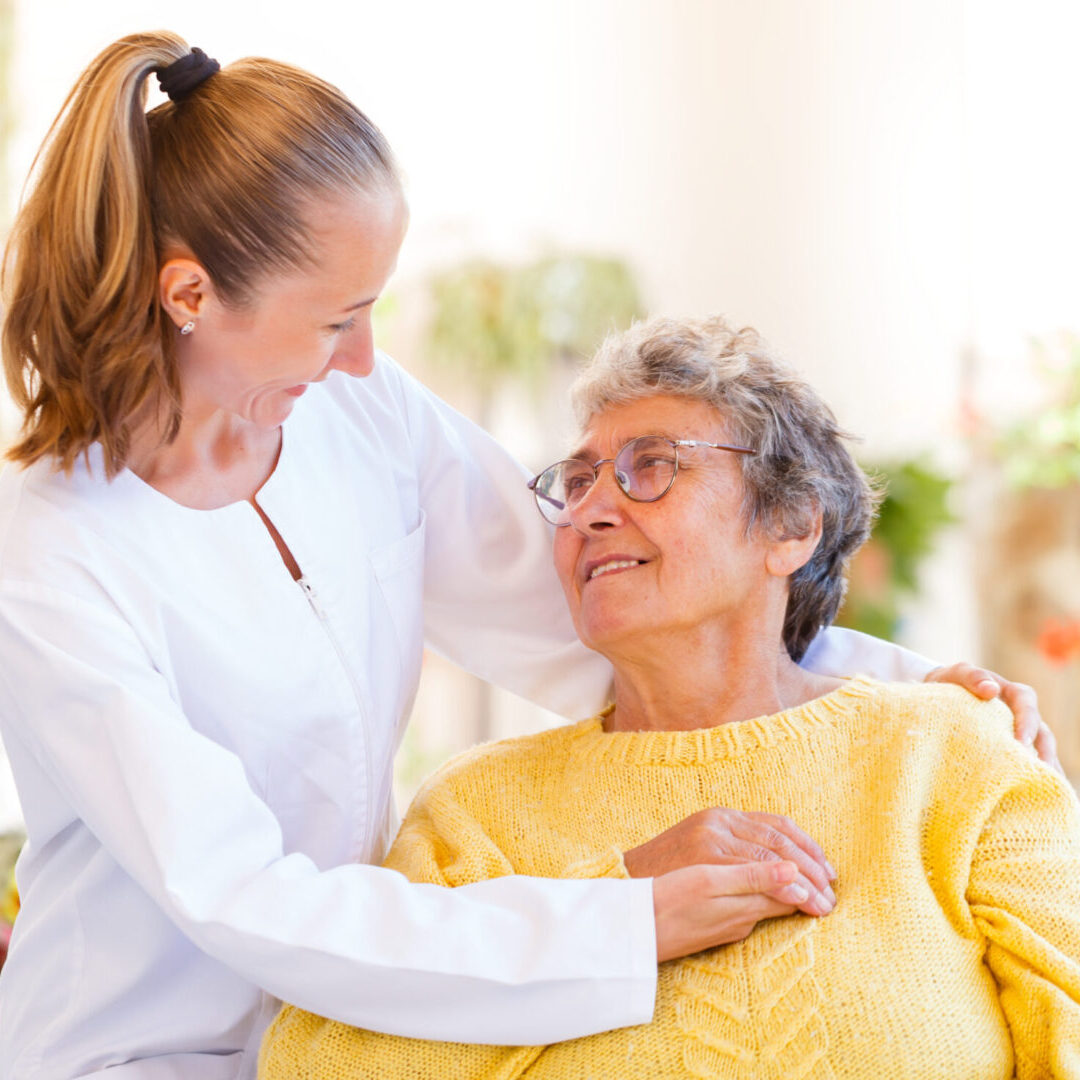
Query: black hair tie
(183, 75)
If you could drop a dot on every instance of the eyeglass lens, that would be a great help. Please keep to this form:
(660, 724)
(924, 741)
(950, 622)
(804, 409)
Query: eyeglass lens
(644, 470)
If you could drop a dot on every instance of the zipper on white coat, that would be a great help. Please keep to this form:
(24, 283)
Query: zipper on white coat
(320, 614)
(313, 600)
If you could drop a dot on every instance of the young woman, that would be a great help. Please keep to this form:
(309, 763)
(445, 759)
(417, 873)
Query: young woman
(212, 620)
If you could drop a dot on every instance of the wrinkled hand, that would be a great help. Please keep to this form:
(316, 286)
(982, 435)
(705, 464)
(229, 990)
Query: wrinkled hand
(1028, 726)
(720, 837)
(700, 907)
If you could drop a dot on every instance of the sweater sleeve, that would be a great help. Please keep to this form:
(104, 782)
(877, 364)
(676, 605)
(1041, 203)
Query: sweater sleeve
(441, 842)
(1024, 895)
(444, 839)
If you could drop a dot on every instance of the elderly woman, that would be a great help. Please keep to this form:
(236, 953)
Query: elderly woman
(705, 521)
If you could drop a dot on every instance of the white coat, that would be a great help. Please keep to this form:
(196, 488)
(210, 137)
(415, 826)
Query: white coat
(202, 748)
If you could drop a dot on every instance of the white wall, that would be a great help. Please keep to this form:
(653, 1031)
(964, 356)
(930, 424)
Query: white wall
(874, 185)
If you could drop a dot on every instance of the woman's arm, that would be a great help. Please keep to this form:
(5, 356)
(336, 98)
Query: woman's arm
(444, 842)
(492, 602)
(1024, 897)
(441, 842)
(83, 702)
(839, 651)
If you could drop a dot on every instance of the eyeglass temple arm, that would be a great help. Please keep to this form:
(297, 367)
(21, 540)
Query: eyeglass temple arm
(714, 445)
(543, 495)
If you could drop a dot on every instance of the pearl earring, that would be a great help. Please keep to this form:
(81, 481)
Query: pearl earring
(187, 327)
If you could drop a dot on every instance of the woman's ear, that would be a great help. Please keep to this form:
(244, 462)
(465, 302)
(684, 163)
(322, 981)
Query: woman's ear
(787, 553)
(183, 289)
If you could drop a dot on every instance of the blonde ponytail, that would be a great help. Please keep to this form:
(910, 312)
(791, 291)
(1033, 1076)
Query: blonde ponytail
(229, 173)
(85, 348)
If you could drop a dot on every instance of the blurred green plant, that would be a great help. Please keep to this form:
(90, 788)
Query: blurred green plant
(886, 571)
(492, 321)
(1044, 451)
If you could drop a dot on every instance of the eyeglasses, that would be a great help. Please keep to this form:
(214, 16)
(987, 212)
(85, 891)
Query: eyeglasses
(645, 469)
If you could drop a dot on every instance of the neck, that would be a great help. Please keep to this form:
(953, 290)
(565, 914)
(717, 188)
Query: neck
(709, 677)
(215, 459)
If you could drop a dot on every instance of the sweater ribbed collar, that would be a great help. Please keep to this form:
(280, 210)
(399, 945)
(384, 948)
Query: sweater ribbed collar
(731, 740)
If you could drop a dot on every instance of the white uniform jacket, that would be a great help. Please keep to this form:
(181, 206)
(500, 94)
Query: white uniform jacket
(202, 748)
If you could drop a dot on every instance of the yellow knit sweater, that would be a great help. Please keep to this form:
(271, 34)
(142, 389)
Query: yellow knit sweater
(953, 951)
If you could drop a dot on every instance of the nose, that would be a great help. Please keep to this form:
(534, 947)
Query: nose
(355, 352)
(603, 506)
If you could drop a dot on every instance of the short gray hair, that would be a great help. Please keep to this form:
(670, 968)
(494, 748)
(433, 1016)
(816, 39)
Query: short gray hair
(802, 464)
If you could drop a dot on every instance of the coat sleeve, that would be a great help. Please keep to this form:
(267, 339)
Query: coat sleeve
(839, 651)
(492, 601)
(175, 810)
(1024, 895)
(441, 842)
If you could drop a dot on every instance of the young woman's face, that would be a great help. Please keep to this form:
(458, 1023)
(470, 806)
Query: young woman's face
(300, 326)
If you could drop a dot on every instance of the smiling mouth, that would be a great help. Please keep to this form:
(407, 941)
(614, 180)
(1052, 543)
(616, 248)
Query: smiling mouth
(613, 566)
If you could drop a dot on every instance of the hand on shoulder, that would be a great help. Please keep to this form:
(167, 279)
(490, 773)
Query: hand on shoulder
(1029, 727)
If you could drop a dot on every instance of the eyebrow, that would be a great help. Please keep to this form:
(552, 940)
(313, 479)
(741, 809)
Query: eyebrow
(358, 304)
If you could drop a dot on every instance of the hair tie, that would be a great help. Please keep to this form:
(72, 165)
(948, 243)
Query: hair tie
(184, 75)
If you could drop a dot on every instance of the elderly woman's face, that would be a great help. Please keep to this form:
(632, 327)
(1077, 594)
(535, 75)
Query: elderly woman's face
(633, 569)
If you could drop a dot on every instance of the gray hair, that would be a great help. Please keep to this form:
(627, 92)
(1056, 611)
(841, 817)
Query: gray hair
(802, 464)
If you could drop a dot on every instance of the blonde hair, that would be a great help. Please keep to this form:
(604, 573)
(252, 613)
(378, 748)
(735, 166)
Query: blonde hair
(228, 173)
(801, 467)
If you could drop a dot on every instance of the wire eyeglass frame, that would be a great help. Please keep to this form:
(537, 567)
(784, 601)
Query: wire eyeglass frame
(553, 509)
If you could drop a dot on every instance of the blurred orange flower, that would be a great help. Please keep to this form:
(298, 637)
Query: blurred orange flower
(1059, 640)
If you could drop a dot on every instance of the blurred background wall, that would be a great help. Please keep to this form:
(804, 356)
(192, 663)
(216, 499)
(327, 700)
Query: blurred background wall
(888, 191)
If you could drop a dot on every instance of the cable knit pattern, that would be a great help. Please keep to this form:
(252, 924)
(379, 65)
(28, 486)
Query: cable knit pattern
(764, 1012)
(954, 950)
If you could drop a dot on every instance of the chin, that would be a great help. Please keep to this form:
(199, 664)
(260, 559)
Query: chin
(274, 415)
(603, 633)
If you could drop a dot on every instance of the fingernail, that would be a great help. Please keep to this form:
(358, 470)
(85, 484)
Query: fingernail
(798, 892)
(833, 875)
(830, 895)
(987, 686)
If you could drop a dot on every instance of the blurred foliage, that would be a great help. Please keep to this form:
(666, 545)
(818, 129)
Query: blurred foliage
(10, 846)
(384, 316)
(886, 571)
(493, 321)
(1044, 451)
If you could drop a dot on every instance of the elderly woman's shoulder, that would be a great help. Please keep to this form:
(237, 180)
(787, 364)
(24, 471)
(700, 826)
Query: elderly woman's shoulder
(493, 762)
(942, 709)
